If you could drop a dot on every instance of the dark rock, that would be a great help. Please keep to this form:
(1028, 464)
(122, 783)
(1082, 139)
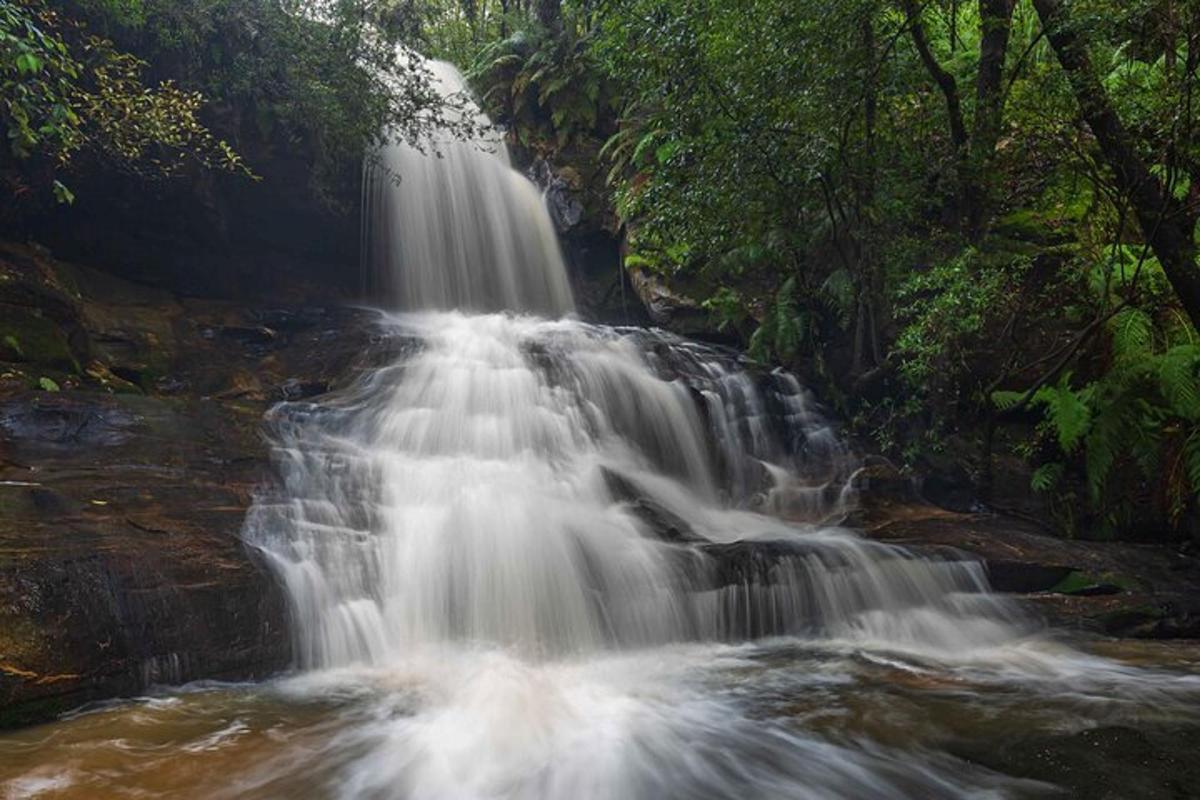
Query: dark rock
(1097, 590)
(747, 561)
(170, 385)
(659, 522)
(124, 565)
(1107, 763)
(295, 389)
(1024, 577)
(878, 484)
(121, 559)
(253, 336)
(566, 209)
(1113, 588)
(291, 320)
(666, 307)
(603, 291)
(66, 420)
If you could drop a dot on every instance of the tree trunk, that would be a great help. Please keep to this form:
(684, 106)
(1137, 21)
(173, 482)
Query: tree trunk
(549, 14)
(1167, 223)
(944, 80)
(996, 22)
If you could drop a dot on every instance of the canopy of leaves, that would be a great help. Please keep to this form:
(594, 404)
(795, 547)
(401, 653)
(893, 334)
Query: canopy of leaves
(907, 194)
(65, 91)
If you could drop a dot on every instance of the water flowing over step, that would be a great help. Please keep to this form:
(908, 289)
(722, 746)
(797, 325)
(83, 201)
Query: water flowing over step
(451, 225)
(558, 487)
(561, 487)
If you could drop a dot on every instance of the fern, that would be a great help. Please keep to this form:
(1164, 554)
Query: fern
(1046, 477)
(1104, 442)
(1132, 333)
(547, 87)
(1066, 411)
(1005, 400)
(783, 328)
(1191, 459)
(1176, 371)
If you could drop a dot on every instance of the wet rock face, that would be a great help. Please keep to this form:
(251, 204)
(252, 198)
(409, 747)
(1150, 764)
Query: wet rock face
(1107, 763)
(1109, 588)
(122, 499)
(121, 560)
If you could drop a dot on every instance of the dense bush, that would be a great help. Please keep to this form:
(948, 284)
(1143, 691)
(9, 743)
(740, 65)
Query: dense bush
(961, 214)
(144, 84)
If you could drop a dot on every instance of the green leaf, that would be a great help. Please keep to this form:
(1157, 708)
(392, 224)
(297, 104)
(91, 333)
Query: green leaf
(1067, 412)
(1177, 378)
(1046, 477)
(1132, 333)
(48, 384)
(28, 63)
(1191, 458)
(1004, 400)
(62, 194)
(665, 151)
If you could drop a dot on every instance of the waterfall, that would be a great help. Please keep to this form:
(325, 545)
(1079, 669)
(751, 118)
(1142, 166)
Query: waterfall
(542, 484)
(521, 498)
(450, 225)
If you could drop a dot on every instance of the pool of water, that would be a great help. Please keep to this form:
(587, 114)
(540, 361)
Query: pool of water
(782, 718)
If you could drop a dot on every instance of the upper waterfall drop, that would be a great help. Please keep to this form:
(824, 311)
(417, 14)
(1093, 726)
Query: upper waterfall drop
(456, 227)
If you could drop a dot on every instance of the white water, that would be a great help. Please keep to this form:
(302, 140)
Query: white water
(523, 542)
(453, 226)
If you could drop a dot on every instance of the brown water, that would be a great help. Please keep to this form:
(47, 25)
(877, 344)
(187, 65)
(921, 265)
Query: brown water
(785, 718)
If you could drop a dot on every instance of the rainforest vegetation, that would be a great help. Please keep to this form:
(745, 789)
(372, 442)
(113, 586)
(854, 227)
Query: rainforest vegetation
(972, 225)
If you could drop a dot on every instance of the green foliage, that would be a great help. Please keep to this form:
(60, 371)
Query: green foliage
(782, 330)
(950, 309)
(125, 83)
(66, 92)
(1047, 476)
(1067, 412)
(726, 306)
(545, 86)
(327, 79)
(1135, 426)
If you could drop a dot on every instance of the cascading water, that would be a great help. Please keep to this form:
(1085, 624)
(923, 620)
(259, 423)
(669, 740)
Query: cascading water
(530, 557)
(453, 226)
(506, 483)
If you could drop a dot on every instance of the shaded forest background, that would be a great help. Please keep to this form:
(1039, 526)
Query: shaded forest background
(972, 226)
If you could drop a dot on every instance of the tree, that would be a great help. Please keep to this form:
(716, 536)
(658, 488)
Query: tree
(66, 92)
(974, 151)
(549, 14)
(1168, 222)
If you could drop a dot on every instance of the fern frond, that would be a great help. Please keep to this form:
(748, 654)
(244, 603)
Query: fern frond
(1046, 477)
(1132, 333)
(1178, 380)
(1004, 400)
(1191, 459)
(1067, 412)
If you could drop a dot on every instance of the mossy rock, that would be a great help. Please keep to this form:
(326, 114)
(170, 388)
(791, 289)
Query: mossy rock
(27, 337)
(1084, 585)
